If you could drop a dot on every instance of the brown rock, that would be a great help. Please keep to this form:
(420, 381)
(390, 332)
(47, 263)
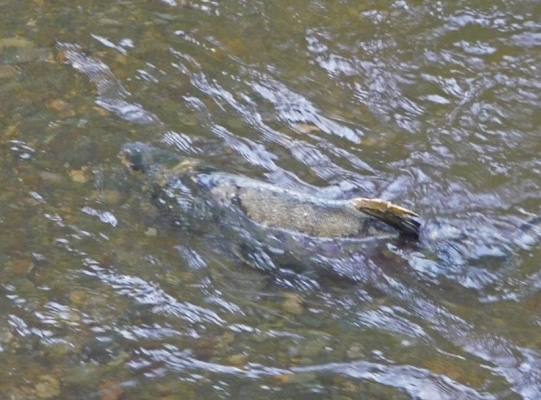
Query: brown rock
(293, 304)
(48, 387)
(111, 390)
(21, 266)
(82, 175)
(78, 296)
(236, 360)
(58, 105)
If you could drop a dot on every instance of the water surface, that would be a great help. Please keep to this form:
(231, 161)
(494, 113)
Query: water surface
(432, 105)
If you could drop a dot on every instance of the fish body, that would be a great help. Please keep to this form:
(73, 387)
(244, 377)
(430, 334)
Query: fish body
(193, 190)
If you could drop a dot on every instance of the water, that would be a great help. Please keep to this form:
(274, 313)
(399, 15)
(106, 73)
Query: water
(431, 105)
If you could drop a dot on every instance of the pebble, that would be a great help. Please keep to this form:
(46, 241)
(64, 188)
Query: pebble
(151, 232)
(21, 267)
(293, 304)
(236, 360)
(111, 390)
(355, 351)
(50, 176)
(82, 175)
(48, 387)
(110, 196)
(78, 296)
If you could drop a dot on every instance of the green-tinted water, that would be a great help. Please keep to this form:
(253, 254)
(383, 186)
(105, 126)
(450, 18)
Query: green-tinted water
(432, 105)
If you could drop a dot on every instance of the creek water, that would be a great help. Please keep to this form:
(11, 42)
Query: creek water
(432, 105)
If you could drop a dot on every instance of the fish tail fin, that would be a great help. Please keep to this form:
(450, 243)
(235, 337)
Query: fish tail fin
(406, 221)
